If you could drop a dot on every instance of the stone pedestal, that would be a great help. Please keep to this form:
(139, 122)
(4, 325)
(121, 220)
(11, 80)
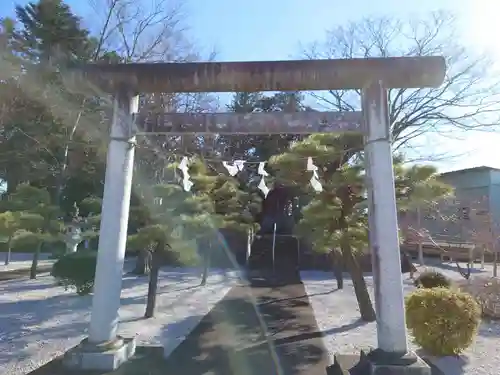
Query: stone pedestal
(377, 362)
(101, 357)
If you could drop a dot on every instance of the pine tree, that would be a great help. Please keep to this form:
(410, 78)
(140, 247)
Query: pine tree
(51, 33)
(236, 205)
(38, 216)
(234, 208)
(177, 220)
(47, 38)
(180, 220)
(9, 225)
(336, 220)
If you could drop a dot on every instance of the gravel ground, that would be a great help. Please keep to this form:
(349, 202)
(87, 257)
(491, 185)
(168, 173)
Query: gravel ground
(39, 321)
(337, 316)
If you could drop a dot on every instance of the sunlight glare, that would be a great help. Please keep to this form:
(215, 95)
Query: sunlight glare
(482, 28)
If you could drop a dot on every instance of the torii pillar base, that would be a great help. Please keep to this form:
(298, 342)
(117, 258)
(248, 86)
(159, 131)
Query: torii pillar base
(377, 362)
(102, 357)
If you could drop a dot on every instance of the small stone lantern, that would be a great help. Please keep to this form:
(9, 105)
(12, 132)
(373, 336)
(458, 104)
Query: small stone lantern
(73, 237)
(73, 233)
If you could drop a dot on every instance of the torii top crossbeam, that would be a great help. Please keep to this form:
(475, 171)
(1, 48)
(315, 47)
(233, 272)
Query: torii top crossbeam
(299, 75)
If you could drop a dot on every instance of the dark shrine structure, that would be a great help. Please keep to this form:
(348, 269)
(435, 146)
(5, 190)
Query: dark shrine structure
(277, 220)
(281, 210)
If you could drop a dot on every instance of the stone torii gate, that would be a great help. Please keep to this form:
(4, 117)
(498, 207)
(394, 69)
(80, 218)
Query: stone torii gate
(104, 350)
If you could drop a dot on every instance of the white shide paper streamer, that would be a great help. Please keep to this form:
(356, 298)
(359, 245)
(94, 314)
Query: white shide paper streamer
(262, 184)
(187, 184)
(236, 167)
(315, 183)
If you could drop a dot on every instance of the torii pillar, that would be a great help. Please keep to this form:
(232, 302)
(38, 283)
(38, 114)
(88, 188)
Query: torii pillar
(374, 77)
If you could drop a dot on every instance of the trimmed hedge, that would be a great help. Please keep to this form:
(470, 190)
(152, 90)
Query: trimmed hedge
(442, 321)
(76, 270)
(432, 279)
(25, 242)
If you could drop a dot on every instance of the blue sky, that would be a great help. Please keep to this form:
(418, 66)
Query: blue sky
(274, 29)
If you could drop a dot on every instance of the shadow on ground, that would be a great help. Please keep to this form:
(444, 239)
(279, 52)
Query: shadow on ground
(453, 267)
(252, 331)
(36, 313)
(489, 328)
(445, 365)
(24, 326)
(264, 330)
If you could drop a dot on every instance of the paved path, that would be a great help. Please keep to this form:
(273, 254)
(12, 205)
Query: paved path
(255, 330)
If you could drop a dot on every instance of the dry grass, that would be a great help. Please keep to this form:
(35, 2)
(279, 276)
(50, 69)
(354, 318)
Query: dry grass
(486, 290)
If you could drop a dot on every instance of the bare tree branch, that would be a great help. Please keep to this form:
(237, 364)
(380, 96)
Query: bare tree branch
(468, 98)
(143, 31)
(452, 223)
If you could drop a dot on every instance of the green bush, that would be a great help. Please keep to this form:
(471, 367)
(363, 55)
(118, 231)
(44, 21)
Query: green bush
(432, 279)
(25, 240)
(76, 270)
(134, 244)
(184, 254)
(442, 321)
(180, 254)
